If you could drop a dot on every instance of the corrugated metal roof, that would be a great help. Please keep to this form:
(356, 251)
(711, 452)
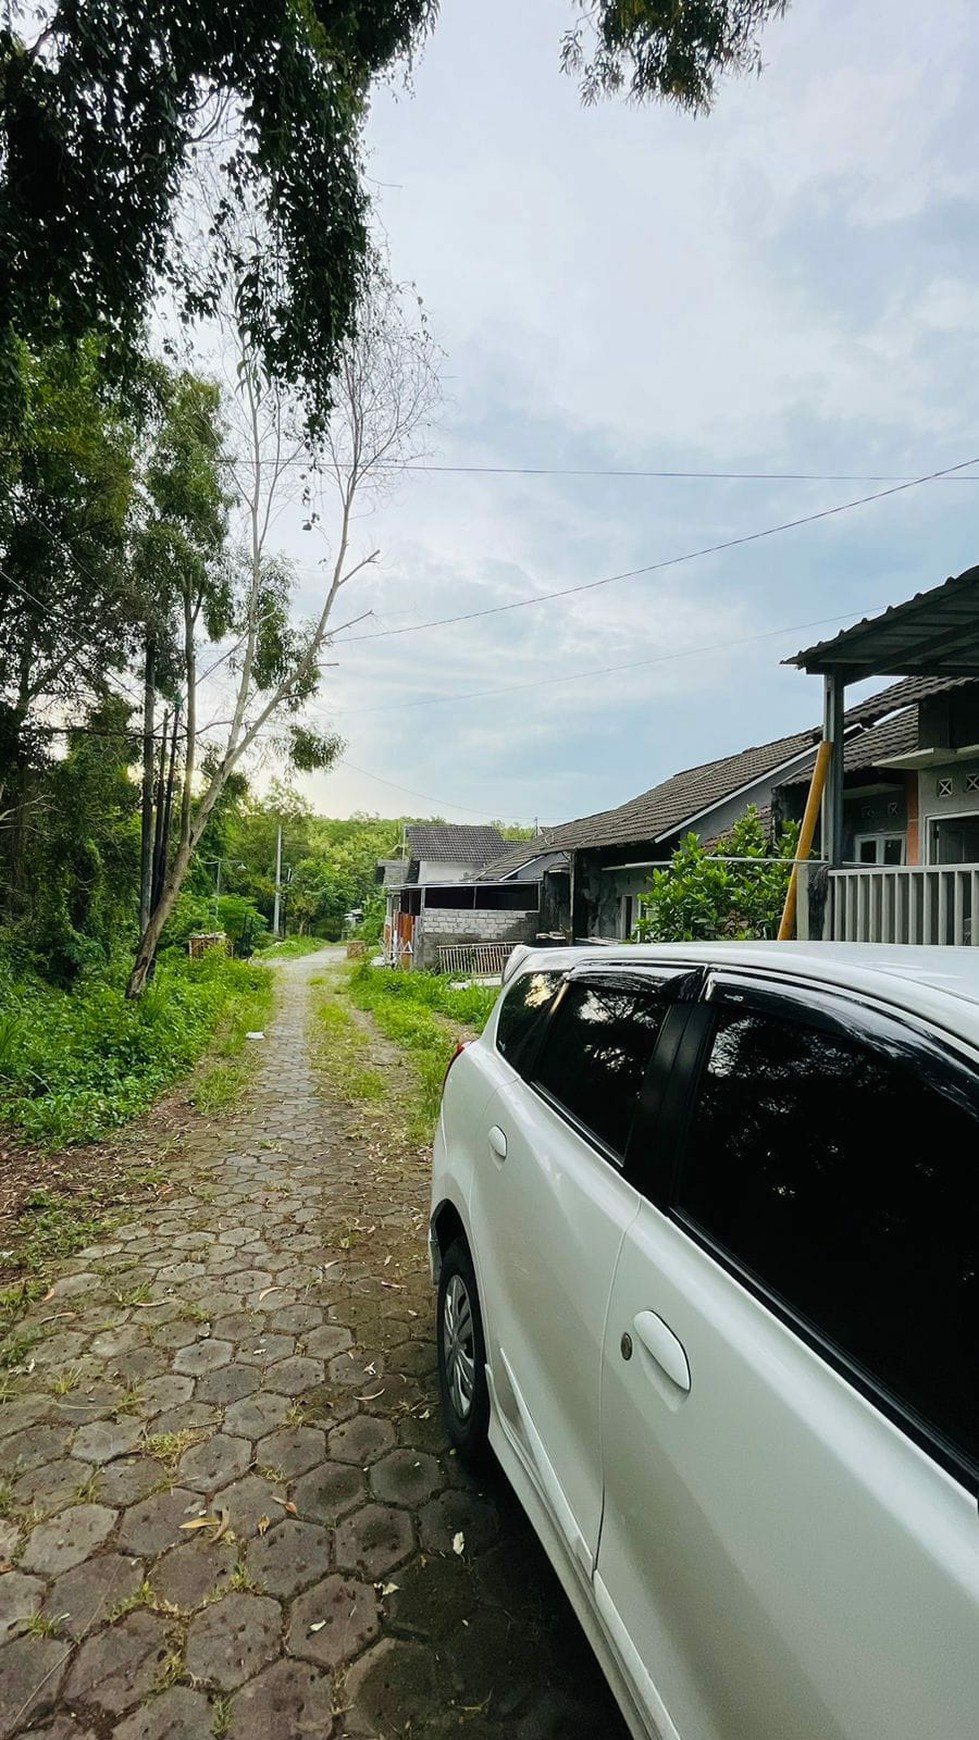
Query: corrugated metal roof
(935, 633)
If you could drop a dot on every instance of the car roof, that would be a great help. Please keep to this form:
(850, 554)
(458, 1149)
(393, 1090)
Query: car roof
(940, 985)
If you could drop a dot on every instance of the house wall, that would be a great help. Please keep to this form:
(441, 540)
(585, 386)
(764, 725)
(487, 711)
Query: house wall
(439, 928)
(960, 802)
(430, 871)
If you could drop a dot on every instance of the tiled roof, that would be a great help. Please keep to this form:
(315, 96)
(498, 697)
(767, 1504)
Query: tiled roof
(902, 695)
(897, 735)
(668, 807)
(445, 844)
(521, 852)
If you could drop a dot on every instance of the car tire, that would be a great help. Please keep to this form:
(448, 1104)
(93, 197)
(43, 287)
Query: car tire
(463, 1388)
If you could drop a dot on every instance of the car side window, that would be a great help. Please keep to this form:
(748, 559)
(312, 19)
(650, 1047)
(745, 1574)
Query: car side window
(596, 1051)
(842, 1174)
(522, 1015)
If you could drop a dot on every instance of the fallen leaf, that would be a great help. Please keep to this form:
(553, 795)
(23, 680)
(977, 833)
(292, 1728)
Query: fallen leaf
(223, 1518)
(263, 1524)
(390, 1588)
(286, 1504)
(266, 1291)
(202, 1522)
(318, 1625)
(373, 1395)
(459, 1542)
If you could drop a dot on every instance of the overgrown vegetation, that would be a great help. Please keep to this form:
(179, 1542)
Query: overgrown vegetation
(424, 1015)
(707, 893)
(75, 1064)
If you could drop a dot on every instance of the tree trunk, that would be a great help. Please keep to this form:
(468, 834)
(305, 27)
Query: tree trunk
(146, 814)
(149, 941)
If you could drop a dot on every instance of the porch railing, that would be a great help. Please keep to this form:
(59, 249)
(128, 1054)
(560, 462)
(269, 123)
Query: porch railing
(475, 960)
(921, 903)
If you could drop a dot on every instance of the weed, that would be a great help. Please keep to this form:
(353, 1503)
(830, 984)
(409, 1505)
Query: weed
(133, 1295)
(130, 1402)
(141, 1597)
(168, 1447)
(221, 1088)
(193, 1313)
(221, 1720)
(87, 1491)
(242, 1580)
(66, 1380)
(54, 1227)
(171, 1667)
(6, 1498)
(13, 1353)
(297, 1415)
(274, 1476)
(38, 1625)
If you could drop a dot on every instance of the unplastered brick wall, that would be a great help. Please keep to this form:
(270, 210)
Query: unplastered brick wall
(439, 929)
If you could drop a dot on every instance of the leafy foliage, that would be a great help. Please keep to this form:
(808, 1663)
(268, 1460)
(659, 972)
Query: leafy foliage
(702, 898)
(76, 1064)
(661, 49)
(105, 100)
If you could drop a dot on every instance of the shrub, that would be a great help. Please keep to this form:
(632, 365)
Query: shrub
(702, 898)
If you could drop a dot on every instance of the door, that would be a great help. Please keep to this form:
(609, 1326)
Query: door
(548, 1209)
(790, 1546)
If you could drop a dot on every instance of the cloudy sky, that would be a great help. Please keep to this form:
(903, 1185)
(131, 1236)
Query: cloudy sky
(785, 287)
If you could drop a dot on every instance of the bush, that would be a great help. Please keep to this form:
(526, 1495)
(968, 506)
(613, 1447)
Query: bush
(77, 1064)
(702, 898)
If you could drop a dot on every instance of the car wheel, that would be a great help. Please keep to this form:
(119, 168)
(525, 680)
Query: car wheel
(462, 1354)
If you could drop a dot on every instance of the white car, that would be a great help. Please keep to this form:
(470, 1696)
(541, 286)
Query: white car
(705, 1231)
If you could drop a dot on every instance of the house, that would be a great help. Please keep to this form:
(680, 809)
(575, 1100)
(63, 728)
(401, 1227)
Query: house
(613, 854)
(910, 790)
(444, 910)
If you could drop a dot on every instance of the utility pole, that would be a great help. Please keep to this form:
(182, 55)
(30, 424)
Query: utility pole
(278, 881)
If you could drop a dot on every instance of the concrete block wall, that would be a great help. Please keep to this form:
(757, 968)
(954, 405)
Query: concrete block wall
(439, 929)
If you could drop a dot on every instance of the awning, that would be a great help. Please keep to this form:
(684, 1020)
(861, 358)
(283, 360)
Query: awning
(934, 634)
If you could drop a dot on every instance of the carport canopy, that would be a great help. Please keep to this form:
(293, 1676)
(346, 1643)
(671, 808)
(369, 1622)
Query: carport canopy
(934, 634)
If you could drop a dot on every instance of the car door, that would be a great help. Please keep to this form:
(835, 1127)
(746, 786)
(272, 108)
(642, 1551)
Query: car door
(790, 1545)
(549, 1206)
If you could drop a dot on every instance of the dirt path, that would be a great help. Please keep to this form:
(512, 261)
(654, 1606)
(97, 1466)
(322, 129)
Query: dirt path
(258, 1351)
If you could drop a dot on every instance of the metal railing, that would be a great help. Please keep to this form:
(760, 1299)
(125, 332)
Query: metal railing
(920, 903)
(475, 960)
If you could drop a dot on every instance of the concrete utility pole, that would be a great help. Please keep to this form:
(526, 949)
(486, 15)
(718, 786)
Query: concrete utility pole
(278, 881)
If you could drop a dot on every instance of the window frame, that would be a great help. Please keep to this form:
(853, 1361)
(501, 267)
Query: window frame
(829, 1010)
(661, 976)
(529, 1053)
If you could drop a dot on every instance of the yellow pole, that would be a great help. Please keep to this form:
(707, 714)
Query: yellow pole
(806, 833)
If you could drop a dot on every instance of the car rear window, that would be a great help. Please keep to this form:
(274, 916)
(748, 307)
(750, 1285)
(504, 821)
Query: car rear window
(522, 1016)
(596, 1051)
(843, 1174)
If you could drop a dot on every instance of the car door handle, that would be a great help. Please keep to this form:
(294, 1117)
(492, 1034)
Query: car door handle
(497, 1141)
(666, 1348)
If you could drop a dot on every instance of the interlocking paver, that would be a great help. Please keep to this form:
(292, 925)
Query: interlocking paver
(278, 1388)
(290, 1557)
(203, 1356)
(68, 1539)
(333, 1621)
(233, 1639)
(118, 1667)
(289, 1701)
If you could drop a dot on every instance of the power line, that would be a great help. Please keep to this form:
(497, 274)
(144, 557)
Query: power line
(658, 567)
(612, 471)
(440, 803)
(604, 670)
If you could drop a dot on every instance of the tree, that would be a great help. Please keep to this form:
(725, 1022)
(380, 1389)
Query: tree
(386, 386)
(104, 102)
(706, 894)
(674, 50)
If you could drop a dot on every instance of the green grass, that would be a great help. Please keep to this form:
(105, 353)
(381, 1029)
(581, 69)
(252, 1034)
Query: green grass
(341, 1050)
(422, 1014)
(291, 947)
(56, 1226)
(75, 1065)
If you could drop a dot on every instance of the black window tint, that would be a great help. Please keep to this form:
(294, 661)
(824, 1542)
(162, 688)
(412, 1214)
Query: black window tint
(846, 1178)
(596, 1051)
(522, 1014)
